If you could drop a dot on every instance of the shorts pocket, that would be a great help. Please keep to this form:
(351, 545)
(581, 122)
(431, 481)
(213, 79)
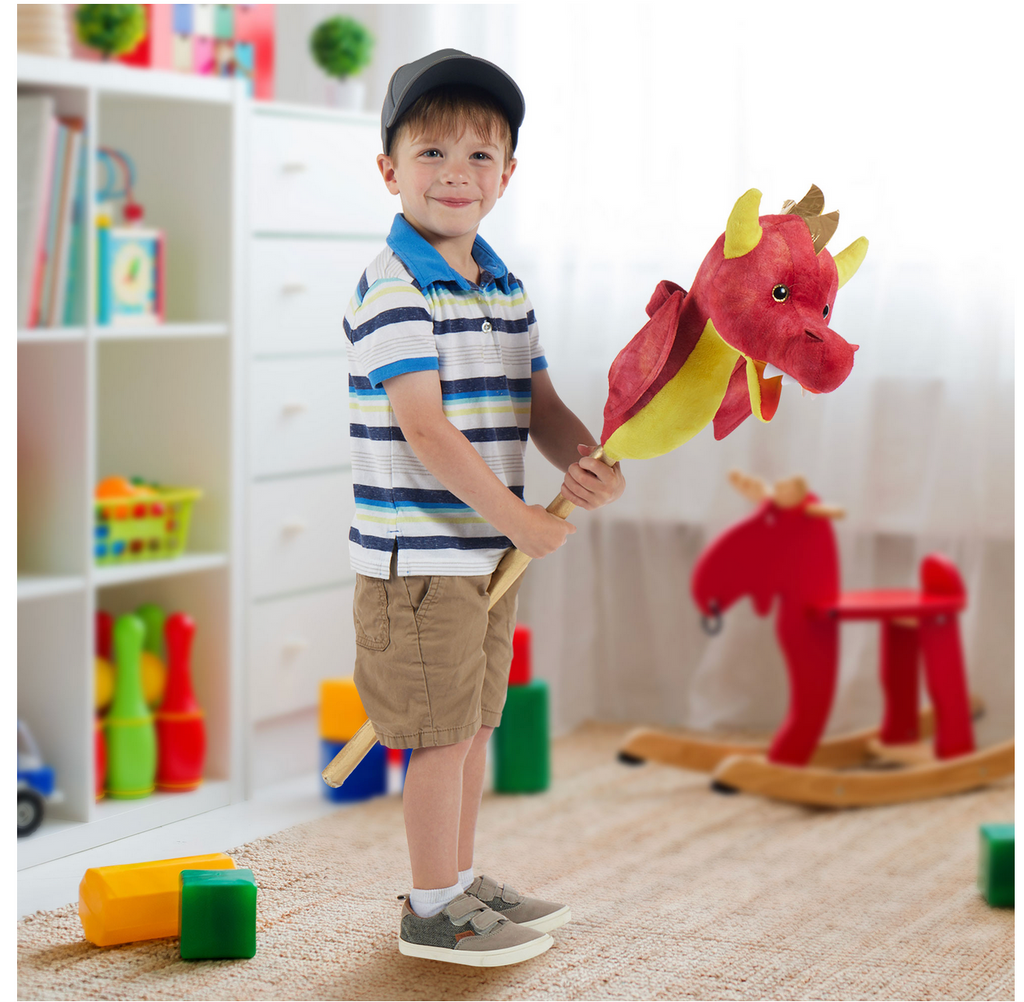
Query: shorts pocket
(370, 612)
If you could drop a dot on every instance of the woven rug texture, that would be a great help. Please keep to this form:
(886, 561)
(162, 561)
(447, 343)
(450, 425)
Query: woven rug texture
(677, 893)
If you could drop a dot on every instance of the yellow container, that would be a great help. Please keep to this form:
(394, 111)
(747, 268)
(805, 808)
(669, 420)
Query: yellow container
(341, 710)
(133, 901)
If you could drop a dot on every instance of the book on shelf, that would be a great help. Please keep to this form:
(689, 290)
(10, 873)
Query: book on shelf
(52, 210)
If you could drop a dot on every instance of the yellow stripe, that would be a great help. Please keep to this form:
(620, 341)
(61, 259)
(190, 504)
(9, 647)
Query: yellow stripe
(393, 285)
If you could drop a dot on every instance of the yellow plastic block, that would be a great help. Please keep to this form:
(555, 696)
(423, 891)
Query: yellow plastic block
(133, 901)
(341, 710)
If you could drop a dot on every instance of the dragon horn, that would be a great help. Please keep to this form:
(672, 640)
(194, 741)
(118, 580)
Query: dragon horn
(743, 231)
(849, 259)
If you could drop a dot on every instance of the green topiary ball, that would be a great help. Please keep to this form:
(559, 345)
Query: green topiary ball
(341, 46)
(112, 28)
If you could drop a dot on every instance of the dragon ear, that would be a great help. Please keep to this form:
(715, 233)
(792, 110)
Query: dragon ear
(743, 231)
(849, 259)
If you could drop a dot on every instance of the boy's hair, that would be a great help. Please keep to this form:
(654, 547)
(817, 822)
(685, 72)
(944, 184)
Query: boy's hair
(450, 109)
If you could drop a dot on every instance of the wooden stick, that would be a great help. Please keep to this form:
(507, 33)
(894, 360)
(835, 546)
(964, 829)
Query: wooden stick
(339, 768)
(514, 562)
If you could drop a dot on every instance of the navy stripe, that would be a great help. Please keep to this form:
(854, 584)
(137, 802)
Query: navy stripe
(364, 284)
(375, 434)
(359, 383)
(399, 315)
(460, 324)
(531, 318)
(397, 495)
(476, 385)
(387, 543)
(394, 434)
(496, 434)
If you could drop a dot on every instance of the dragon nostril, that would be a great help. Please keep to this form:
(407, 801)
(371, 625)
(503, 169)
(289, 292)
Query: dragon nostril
(812, 335)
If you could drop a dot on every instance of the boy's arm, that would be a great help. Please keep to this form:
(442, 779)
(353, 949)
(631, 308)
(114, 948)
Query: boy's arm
(564, 442)
(415, 398)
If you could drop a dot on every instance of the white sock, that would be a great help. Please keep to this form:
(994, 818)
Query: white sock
(429, 902)
(466, 876)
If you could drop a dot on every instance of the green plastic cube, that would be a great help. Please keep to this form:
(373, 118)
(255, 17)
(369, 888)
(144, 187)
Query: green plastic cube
(218, 914)
(995, 865)
(522, 744)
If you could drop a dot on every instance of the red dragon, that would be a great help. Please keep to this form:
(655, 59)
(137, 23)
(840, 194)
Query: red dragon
(758, 312)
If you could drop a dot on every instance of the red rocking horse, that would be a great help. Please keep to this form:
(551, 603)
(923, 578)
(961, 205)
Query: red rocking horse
(787, 551)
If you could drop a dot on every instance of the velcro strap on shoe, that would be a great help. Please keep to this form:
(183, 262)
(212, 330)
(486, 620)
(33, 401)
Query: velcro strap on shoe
(462, 909)
(487, 888)
(486, 920)
(509, 896)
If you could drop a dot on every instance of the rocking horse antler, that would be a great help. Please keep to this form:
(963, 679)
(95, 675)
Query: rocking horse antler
(786, 493)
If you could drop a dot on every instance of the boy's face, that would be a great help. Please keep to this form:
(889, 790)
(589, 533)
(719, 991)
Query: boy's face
(447, 183)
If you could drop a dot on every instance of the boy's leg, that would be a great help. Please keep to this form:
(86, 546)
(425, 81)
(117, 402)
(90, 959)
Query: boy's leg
(472, 791)
(431, 803)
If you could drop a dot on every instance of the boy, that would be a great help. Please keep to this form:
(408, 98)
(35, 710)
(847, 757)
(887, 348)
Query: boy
(447, 381)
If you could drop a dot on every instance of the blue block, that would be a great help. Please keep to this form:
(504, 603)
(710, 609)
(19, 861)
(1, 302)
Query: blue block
(368, 779)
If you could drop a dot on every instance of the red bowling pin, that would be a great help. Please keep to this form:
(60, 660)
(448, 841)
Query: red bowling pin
(180, 731)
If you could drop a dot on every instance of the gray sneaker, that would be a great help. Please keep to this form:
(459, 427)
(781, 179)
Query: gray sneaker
(531, 913)
(466, 931)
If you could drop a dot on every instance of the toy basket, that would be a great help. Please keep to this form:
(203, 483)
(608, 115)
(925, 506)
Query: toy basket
(130, 530)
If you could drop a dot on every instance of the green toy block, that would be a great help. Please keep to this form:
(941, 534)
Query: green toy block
(995, 865)
(522, 745)
(218, 914)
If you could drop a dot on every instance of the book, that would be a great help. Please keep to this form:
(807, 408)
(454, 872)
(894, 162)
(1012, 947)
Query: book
(74, 286)
(52, 217)
(37, 129)
(58, 285)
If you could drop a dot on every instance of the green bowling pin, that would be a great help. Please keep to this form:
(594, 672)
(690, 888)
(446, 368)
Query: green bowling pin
(131, 736)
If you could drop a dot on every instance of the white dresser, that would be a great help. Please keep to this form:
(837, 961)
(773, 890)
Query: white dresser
(318, 213)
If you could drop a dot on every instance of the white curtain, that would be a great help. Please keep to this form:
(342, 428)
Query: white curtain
(644, 123)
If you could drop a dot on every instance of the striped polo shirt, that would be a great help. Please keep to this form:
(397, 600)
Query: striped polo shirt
(412, 312)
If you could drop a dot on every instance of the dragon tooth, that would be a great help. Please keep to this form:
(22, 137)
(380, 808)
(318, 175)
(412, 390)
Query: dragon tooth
(773, 370)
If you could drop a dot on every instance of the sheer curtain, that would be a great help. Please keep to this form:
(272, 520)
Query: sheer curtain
(643, 126)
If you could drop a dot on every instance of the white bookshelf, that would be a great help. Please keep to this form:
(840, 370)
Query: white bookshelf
(163, 402)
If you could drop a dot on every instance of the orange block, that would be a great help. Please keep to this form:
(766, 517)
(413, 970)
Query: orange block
(341, 709)
(133, 901)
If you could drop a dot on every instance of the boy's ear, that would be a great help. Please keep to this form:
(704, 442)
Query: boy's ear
(506, 174)
(387, 171)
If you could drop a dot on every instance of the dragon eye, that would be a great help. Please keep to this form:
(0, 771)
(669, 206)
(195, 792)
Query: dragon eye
(780, 293)
(824, 312)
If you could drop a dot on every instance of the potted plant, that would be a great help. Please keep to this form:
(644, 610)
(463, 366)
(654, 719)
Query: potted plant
(112, 28)
(342, 47)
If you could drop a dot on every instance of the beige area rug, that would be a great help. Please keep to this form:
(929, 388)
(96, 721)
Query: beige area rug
(677, 893)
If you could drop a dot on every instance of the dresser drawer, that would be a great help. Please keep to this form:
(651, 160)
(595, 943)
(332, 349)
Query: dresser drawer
(312, 175)
(300, 289)
(298, 533)
(298, 416)
(293, 644)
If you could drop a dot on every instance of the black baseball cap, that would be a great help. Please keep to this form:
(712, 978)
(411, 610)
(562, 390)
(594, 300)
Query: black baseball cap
(449, 66)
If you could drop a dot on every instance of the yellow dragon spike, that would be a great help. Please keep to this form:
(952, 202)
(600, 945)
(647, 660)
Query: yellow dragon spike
(849, 259)
(743, 231)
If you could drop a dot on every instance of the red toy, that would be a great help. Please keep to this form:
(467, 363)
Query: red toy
(785, 554)
(180, 730)
(522, 656)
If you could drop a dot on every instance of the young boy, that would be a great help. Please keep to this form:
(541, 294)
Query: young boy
(447, 381)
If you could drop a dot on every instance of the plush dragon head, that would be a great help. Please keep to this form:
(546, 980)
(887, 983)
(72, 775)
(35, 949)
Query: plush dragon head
(758, 315)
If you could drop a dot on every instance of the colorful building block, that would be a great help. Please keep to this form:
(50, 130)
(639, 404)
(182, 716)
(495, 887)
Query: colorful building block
(218, 914)
(341, 709)
(995, 864)
(522, 747)
(368, 779)
(522, 656)
(135, 901)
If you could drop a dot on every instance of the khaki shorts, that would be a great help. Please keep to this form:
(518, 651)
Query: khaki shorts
(431, 663)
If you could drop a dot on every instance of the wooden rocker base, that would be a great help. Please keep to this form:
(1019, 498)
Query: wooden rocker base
(704, 754)
(821, 787)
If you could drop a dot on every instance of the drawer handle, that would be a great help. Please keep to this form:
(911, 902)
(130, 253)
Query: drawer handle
(294, 526)
(294, 408)
(293, 287)
(294, 166)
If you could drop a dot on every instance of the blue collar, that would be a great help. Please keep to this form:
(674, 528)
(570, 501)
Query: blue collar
(427, 266)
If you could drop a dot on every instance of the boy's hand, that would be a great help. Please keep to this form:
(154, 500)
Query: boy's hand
(590, 483)
(540, 532)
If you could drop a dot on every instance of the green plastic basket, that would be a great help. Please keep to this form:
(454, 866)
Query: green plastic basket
(130, 530)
